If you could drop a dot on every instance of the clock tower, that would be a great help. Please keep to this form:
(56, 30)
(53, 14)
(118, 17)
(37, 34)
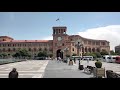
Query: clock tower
(59, 38)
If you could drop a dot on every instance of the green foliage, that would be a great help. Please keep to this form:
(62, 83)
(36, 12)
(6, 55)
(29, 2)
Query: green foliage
(50, 55)
(90, 54)
(42, 54)
(98, 64)
(74, 54)
(67, 55)
(104, 52)
(113, 53)
(21, 53)
(98, 55)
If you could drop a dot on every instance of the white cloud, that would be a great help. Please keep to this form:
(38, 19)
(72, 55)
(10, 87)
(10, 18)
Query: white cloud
(48, 38)
(110, 33)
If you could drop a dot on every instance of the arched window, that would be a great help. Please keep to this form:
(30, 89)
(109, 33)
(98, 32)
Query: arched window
(8, 49)
(73, 49)
(45, 49)
(40, 49)
(3, 49)
(93, 49)
(13, 49)
(29, 49)
(35, 49)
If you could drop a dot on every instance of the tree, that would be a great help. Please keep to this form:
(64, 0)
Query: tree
(112, 52)
(0, 55)
(98, 55)
(21, 53)
(16, 55)
(4, 55)
(104, 52)
(50, 55)
(74, 54)
(67, 55)
(42, 54)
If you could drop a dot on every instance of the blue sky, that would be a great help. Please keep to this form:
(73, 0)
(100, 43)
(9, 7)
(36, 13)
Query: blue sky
(38, 25)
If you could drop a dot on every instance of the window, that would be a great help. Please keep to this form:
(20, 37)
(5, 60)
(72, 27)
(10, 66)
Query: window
(93, 43)
(72, 44)
(103, 43)
(89, 42)
(35, 49)
(45, 49)
(73, 49)
(13, 49)
(40, 49)
(59, 30)
(8, 49)
(85, 42)
(50, 49)
(97, 43)
(63, 44)
(3, 39)
(29, 49)
(71, 39)
(3, 49)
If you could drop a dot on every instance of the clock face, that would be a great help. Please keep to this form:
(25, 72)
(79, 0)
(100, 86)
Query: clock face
(59, 38)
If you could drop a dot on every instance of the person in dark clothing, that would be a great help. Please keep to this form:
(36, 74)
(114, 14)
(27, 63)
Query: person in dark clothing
(13, 73)
(74, 60)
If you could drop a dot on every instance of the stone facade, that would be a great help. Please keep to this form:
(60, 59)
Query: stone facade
(62, 44)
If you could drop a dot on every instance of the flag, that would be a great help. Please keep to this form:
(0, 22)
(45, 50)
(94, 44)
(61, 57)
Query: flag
(57, 19)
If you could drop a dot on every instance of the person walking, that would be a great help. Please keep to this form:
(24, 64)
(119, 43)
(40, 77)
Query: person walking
(13, 73)
(74, 61)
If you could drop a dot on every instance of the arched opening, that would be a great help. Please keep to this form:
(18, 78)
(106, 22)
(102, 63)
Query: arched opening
(93, 49)
(59, 53)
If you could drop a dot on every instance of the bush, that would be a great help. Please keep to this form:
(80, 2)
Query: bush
(98, 64)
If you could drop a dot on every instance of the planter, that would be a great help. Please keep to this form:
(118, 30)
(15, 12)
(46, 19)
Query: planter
(98, 64)
(109, 73)
(70, 62)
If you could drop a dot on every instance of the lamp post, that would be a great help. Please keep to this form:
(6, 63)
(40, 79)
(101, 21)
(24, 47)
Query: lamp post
(79, 47)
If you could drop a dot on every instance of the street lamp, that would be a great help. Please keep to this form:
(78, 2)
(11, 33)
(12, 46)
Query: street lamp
(79, 47)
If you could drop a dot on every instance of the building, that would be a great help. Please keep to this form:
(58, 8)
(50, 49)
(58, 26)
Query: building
(61, 45)
(117, 49)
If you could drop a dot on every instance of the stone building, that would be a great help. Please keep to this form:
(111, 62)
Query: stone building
(61, 45)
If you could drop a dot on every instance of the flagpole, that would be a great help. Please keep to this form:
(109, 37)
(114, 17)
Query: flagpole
(58, 20)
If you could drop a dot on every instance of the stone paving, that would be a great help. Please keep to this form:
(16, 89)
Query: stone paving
(63, 70)
(54, 69)
(26, 69)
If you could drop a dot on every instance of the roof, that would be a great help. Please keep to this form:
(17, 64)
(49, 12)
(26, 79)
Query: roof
(28, 41)
(5, 37)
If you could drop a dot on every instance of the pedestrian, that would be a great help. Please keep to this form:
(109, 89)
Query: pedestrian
(74, 60)
(13, 73)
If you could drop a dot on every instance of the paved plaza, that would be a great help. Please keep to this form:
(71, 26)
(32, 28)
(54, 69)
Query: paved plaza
(52, 69)
(62, 70)
(26, 69)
